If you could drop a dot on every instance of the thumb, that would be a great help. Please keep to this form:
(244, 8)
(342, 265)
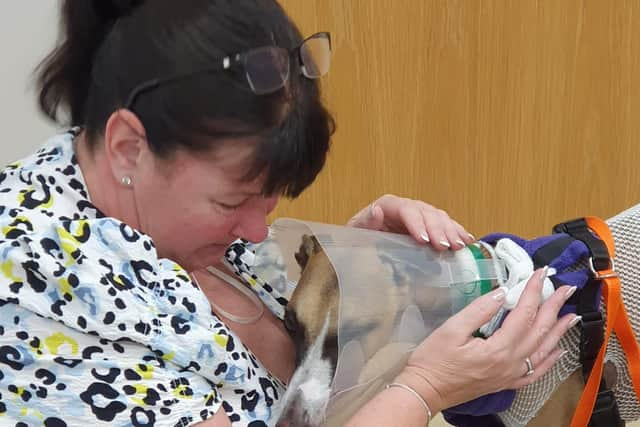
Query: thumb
(371, 217)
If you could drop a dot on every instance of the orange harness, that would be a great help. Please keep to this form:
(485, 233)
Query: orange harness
(616, 321)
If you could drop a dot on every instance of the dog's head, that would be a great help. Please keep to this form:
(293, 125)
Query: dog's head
(311, 318)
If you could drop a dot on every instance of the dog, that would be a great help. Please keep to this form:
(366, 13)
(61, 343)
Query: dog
(311, 318)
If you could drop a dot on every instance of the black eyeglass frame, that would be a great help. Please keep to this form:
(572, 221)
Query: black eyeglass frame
(228, 63)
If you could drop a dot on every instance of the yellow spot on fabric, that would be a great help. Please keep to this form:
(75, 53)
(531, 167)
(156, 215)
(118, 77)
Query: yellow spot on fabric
(169, 356)
(7, 271)
(249, 279)
(22, 193)
(54, 342)
(145, 371)
(140, 389)
(65, 287)
(23, 411)
(221, 340)
(69, 244)
(180, 392)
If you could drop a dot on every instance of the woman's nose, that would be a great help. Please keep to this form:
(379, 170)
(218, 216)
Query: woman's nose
(252, 226)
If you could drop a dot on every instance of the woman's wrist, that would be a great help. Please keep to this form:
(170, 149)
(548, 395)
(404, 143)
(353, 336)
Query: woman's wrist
(417, 381)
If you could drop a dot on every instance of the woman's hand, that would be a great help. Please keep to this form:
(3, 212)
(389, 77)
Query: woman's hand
(451, 366)
(419, 219)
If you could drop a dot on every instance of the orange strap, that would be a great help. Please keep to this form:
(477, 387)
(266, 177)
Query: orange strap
(618, 322)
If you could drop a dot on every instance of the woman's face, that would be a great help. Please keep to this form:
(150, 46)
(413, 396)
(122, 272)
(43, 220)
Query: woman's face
(195, 204)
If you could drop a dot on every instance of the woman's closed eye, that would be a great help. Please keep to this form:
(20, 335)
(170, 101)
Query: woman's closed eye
(228, 208)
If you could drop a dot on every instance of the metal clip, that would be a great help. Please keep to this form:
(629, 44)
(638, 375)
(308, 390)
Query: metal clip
(598, 275)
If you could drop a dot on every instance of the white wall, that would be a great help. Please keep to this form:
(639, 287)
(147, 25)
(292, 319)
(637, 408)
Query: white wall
(28, 30)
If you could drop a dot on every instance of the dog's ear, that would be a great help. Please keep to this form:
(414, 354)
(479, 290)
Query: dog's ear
(308, 247)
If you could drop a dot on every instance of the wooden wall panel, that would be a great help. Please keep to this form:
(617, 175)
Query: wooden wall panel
(511, 115)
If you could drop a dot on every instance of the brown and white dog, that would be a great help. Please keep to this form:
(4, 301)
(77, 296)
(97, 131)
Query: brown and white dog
(312, 319)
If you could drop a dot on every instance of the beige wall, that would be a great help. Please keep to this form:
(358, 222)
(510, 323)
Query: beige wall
(28, 29)
(511, 115)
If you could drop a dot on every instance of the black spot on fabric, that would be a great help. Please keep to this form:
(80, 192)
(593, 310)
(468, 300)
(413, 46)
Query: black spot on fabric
(46, 376)
(15, 287)
(183, 421)
(30, 201)
(41, 392)
(142, 418)
(191, 307)
(102, 392)
(11, 357)
(122, 327)
(82, 322)
(109, 377)
(35, 279)
(69, 170)
(22, 335)
(120, 304)
(231, 345)
(204, 414)
(3, 407)
(142, 327)
(257, 423)
(109, 317)
(179, 325)
(88, 352)
(117, 347)
(165, 411)
(129, 234)
(221, 369)
(269, 391)
(70, 363)
(250, 400)
(35, 342)
(61, 386)
(54, 422)
(132, 375)
(56, 307)
(139, 267)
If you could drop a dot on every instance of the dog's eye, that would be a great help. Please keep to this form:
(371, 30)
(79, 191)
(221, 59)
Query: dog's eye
(290, 322)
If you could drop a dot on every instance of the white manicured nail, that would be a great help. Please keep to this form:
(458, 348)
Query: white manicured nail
(500, 293)
(445, 243)
(424, 236)
(461, 243)
(570, 291)
(575, 321)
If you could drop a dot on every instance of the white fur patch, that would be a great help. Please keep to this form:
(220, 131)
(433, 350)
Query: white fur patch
(307, 396)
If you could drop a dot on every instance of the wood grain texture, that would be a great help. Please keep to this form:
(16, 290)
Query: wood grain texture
(510, 115)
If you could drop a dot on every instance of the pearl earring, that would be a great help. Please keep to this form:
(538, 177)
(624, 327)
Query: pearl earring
(126, 180)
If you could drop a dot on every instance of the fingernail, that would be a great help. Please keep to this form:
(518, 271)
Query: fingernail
(543, 274)
(445, 243)
(461, 243)
(570, 291)
(424, 236)
(563, 354)
(499, 294)
(471, 236)
(575, 321)
(372, 210)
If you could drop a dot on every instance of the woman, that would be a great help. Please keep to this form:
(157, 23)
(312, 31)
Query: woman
(196, 117)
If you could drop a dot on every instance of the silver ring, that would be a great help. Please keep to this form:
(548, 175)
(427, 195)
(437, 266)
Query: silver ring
(530, 370)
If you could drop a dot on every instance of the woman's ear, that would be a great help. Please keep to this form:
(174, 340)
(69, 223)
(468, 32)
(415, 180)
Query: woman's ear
(124, 142)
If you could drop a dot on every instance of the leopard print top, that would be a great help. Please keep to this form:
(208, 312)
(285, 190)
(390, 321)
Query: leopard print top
(96, 329)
